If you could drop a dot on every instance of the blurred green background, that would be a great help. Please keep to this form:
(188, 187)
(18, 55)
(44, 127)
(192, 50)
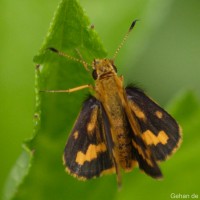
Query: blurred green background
(163, 61)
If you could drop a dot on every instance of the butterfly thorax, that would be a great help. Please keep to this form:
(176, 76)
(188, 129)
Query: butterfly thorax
(109, 91)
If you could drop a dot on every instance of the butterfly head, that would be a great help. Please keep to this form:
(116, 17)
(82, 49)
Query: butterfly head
(103, 68)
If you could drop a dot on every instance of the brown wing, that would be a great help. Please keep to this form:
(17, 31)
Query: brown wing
(86, 154)
(160, 131)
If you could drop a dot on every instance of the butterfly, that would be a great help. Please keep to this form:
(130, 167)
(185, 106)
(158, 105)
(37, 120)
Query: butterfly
(118, 128)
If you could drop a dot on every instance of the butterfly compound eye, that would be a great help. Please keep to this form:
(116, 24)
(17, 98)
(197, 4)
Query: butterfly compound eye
(115, 68)
(94, 74)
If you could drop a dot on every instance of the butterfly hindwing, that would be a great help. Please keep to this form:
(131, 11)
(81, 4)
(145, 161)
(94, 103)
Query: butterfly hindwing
(144, 157)
(86, 154)
(159, 130)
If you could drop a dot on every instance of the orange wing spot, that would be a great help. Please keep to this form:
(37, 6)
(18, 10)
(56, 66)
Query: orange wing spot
(159, 114)
(92, 153)
(91, 125)
(150, 138)
(163, 137)
(75, 135)
(138, 112)
(142, 153)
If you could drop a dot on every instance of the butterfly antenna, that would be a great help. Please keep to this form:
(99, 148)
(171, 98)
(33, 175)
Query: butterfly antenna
(124, 39)
(85, 64)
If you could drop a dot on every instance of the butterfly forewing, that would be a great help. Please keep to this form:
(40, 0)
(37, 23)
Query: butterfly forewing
(86, 154)
(144, 157)
(159, 130)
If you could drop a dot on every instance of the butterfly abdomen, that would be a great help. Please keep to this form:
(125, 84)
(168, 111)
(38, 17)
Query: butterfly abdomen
(124, 150)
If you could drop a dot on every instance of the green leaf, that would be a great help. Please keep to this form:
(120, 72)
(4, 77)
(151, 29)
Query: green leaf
(19, 171)
(39, 172)
(70, 32)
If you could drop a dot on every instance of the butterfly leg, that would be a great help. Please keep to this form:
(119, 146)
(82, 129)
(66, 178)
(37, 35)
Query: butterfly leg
(70, 90)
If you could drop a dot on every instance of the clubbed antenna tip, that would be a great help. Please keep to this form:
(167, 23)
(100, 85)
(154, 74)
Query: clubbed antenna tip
(52, 49)
(124, 39)
(133, 24)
